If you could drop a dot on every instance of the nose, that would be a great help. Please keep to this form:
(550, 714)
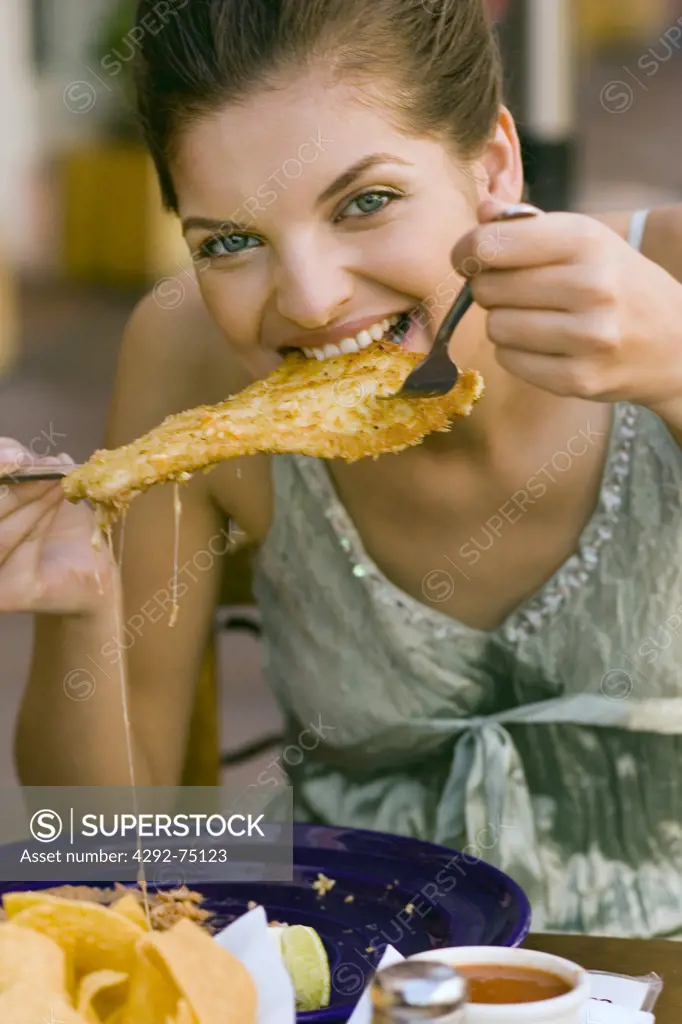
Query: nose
(312, 286)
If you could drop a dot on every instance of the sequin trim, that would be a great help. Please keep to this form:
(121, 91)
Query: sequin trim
(532, 615)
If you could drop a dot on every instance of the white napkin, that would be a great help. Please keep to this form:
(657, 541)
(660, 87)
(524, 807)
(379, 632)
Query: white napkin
(615, 1000)
(603, 1013)
(247, 939)
(618, 1000)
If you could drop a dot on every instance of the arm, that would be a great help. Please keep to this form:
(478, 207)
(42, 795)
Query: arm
(662, 244)
(64, 739)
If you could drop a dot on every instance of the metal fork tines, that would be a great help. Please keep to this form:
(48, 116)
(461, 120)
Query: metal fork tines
(437, 374)
(31, 474)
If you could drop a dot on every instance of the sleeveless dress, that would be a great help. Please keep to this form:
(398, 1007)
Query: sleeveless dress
(550, 746)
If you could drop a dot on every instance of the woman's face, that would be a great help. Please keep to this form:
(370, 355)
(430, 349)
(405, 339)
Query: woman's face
(313, 218)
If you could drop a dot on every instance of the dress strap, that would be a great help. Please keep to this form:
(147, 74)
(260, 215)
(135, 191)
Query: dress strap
(637, 228)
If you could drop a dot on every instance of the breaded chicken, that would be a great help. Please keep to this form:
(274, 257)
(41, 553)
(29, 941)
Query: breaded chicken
(339, 408)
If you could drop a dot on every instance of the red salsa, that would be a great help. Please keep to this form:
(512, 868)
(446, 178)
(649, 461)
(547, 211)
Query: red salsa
(502, 983)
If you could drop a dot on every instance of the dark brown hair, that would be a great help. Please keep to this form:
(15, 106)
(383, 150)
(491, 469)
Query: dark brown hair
(440, 58)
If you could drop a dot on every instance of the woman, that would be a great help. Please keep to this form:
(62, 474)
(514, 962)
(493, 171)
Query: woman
(470, 624)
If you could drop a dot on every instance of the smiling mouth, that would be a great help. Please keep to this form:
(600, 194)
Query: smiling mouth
(391, 328)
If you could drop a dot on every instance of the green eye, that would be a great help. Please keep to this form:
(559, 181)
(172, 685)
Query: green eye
(369, 202)
(227, 245)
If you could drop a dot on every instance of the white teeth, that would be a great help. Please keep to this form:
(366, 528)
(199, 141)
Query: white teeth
(349, 345)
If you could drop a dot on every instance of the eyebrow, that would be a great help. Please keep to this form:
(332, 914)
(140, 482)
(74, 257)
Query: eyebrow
(227, 227)
(349, 177)
(339, 184)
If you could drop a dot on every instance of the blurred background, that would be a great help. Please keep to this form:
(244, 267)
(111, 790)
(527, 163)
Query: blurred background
(594, 84)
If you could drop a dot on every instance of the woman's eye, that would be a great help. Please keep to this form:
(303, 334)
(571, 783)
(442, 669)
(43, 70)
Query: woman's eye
(227, 245)
(369, 202)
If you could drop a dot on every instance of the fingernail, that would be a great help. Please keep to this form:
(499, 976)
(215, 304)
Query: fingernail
(519, 210)
(12, 456)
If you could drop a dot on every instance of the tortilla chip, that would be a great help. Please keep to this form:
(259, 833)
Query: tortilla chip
(183, 1014)
(153, 994)
(28, 956)
(28, 1003)
(129, 907)
(217, 986)
(101, 994)
(91, 936)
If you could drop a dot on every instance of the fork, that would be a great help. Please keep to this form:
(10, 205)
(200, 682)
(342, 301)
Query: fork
(27, 474)
(436, 375)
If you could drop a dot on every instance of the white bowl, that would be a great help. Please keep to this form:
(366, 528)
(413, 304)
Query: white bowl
(566, 1009)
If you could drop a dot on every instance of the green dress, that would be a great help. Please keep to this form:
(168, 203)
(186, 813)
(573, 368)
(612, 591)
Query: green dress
(550, 746)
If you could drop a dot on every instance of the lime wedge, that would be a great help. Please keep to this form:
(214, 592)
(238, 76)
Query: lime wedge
(306, 960)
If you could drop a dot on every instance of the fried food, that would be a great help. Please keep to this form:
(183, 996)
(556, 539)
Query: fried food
(216, 985)
(31, 957)
(165, 906)
(339, 408)
(68, 959)
(92, 938)
(101, 994)
(27, 1003)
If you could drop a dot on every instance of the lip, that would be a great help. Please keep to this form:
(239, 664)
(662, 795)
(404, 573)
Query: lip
(333, 335)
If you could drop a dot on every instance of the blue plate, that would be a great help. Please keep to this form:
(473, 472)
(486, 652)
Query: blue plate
(389, 890)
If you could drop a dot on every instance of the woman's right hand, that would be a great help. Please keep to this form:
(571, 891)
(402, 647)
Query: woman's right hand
(47, 561)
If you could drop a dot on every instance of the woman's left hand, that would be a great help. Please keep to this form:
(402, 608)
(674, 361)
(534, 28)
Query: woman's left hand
(574, 309)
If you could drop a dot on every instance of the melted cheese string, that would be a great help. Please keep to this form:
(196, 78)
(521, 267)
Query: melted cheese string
(122, 669)
(177, 513)
(121, 539)
(96, 544)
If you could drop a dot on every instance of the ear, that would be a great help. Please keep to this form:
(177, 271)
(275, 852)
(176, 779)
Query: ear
(499, 169)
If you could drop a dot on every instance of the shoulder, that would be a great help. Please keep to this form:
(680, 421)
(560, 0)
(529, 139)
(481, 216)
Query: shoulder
(172, 358)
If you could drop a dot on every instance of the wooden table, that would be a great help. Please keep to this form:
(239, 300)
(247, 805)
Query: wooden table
(624, 956)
